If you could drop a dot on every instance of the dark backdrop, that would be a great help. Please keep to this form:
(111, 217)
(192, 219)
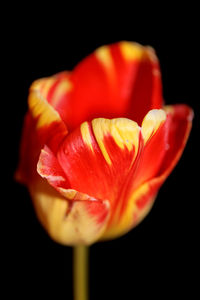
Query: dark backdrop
(157, 258)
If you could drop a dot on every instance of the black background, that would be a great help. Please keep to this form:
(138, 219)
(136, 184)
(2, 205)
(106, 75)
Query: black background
(159, 257)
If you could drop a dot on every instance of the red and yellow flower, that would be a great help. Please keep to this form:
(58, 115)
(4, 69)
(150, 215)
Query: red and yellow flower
(98, 143)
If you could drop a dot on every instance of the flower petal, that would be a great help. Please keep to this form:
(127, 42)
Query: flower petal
(119, 80)
(151, 122)
(140, 202)
(48, 123)
(56, 90)
(69, 222)
(98, 155)
(42, 125)
(157, 159)
(49, 168)
(154, 130)
(180, 123)
(137, 188)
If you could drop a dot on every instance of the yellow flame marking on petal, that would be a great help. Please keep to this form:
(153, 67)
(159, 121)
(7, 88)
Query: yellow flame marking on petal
(132, 51)
(36, 85)
(85, 132)
(48, 84)
(42, 110)
(104, 56)
(68, 193)
(151, 122)
(127, 222)
(124, 132)
(100, 128)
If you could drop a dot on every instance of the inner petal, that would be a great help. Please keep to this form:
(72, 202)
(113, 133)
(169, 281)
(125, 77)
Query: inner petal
(98, 155)
(118, 80)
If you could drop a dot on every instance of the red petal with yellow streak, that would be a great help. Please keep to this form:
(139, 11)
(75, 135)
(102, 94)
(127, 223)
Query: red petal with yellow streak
(56, 90)
(42, 125)
(119, 80)
(161, 152)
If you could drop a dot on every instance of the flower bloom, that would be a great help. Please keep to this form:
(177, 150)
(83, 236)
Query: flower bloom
(98, 143)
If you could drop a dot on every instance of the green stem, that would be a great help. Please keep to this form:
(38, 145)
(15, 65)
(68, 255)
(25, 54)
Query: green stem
(80, 273)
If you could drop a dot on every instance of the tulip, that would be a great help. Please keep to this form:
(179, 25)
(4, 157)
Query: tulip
(98, 143)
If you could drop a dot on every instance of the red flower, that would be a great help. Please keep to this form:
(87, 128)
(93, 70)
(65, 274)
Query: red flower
(98, 144)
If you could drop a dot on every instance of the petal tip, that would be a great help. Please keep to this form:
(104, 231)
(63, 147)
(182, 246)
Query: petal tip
(151, 122)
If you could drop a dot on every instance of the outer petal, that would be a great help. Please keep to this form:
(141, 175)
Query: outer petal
(49, 126)
(180, 123)
(69, 222)
(56, 90)
(29, 152)
(159, 156)
(49, 168)
(42, 125)
(119, 80)
(146, 166)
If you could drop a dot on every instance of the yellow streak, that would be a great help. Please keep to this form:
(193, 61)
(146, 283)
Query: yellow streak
(127, 221)
(85, 132)
(48, 84)
(36, 85)
(101, 128)
(104, 56)
(132, 51)
(41, 109)
(124, 132)
(152, 121)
